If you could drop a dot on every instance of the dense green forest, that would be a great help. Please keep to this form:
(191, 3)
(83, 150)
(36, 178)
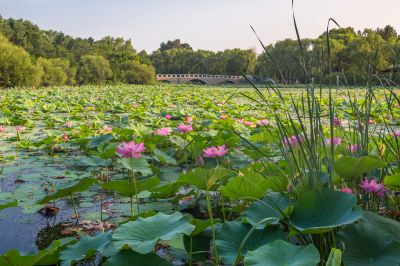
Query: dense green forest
(30, 56)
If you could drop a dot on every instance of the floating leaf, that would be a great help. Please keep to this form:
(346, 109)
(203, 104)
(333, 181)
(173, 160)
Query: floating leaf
(9, 204)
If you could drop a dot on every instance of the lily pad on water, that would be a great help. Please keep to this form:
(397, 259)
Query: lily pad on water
(8, 204)
(281, 253)
(320, 211)
(143, 234)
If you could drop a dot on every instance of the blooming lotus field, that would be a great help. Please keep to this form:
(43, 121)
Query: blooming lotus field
(186, 175)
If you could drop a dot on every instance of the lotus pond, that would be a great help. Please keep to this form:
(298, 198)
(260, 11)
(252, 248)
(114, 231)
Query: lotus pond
(192, 175)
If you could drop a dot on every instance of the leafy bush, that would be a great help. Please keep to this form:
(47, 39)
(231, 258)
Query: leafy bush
(133, 72)
(16, 66)
(94, 69)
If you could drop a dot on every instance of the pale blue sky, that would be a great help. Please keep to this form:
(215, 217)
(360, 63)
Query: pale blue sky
(205, 24)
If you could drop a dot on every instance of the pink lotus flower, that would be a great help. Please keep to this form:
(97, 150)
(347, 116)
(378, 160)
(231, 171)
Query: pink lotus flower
(168, 116)
(20, 128)
(397, 133)
(223, 117)
(353, 148)
(372, 186)
(337, 122)
(371, 122)
(213, 152)
(347, 190)
(185, 128)
(163, 131)
(65, 137)
(262, 122)
(188, 119)
(31, 111)
(336, 141)
(292, 141)
(68, 124)
(2, 129)
(130, 149)
(248, 123)
(240, 120)
(398, 105)
(107, 129)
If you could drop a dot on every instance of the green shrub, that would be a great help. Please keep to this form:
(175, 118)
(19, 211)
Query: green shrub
(94, 69)
(16, 66)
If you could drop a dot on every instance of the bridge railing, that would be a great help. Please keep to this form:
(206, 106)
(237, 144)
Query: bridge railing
(162, 76)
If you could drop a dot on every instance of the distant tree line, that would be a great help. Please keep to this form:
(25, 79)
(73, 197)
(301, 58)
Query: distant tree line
(30, 56)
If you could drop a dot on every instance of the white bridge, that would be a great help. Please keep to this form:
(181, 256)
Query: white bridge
(200, 78)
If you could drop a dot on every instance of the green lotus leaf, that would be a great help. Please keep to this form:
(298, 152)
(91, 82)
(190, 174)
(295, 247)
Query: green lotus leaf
(163, 157)
(266, 211)
(387, 225)
(85, 248)
(127, 257)
(392, 182)
(204, 178)
(9, 204)
(229, 237)
(127, 188)
(366, 245)
(281, 253)
(247, 186)
(143, 234)
(320, 211)
(49, 256)
(81, 185)
(353, 167)
(136, 165)
(96, 141)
